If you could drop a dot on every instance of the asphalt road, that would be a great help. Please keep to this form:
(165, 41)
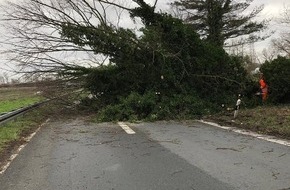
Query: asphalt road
(76, 154)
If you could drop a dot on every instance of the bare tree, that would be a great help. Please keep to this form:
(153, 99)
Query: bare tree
(282, 44)
(34, 33)
(270, 53)
(2, 80)
(6, 78)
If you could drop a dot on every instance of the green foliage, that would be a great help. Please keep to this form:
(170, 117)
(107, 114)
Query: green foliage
(132, 107)
(183, 106)
(152, 106)
(169, 57)
(277, 75)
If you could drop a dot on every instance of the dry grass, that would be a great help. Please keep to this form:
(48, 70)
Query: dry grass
(13, 93)
(272, 120)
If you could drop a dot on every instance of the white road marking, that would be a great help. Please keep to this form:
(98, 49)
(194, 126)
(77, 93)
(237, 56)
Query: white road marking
(13, 156)
(249, 133)
(126, 128)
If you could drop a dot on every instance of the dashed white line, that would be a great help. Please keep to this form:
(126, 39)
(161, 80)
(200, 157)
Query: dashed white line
(249, 133)
(126, 128)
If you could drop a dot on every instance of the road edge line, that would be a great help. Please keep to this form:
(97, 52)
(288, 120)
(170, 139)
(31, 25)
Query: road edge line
(250, 133)
(27, 140)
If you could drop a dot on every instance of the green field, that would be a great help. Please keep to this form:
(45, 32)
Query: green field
(12, 98)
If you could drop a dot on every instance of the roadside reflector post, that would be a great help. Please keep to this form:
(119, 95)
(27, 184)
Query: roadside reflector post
(237, 107)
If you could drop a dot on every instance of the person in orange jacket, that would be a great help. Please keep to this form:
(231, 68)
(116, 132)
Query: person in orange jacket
(263, 87)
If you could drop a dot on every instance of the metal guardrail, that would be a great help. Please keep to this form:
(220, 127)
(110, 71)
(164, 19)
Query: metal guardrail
(9, 115)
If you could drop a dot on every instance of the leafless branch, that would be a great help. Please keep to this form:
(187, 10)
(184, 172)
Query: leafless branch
(33, 32)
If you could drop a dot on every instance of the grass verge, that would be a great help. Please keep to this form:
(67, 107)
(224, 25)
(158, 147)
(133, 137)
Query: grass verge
(12, 133)
(270, 120)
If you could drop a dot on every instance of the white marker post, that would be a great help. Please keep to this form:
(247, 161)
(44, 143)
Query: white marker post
(239, 101)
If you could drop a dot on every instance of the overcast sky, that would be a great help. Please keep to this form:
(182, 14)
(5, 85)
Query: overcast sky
(272, 9)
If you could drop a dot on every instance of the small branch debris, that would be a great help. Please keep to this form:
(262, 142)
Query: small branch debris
(176, 172)
(275, 175)
(174, 141)
(272, 150)
(233, 149)
(282, 155)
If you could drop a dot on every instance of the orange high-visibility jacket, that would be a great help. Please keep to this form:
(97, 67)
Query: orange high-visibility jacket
(262, 84)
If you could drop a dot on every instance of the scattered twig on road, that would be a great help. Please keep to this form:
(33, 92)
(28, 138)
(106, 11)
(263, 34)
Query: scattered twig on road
(101, 143)
(282, 155)
(233, 149)
(275, 175)
(175, 172)
(174, 141)
(267, 151)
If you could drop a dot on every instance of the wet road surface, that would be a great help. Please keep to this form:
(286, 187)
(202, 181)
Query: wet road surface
(161, 156)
